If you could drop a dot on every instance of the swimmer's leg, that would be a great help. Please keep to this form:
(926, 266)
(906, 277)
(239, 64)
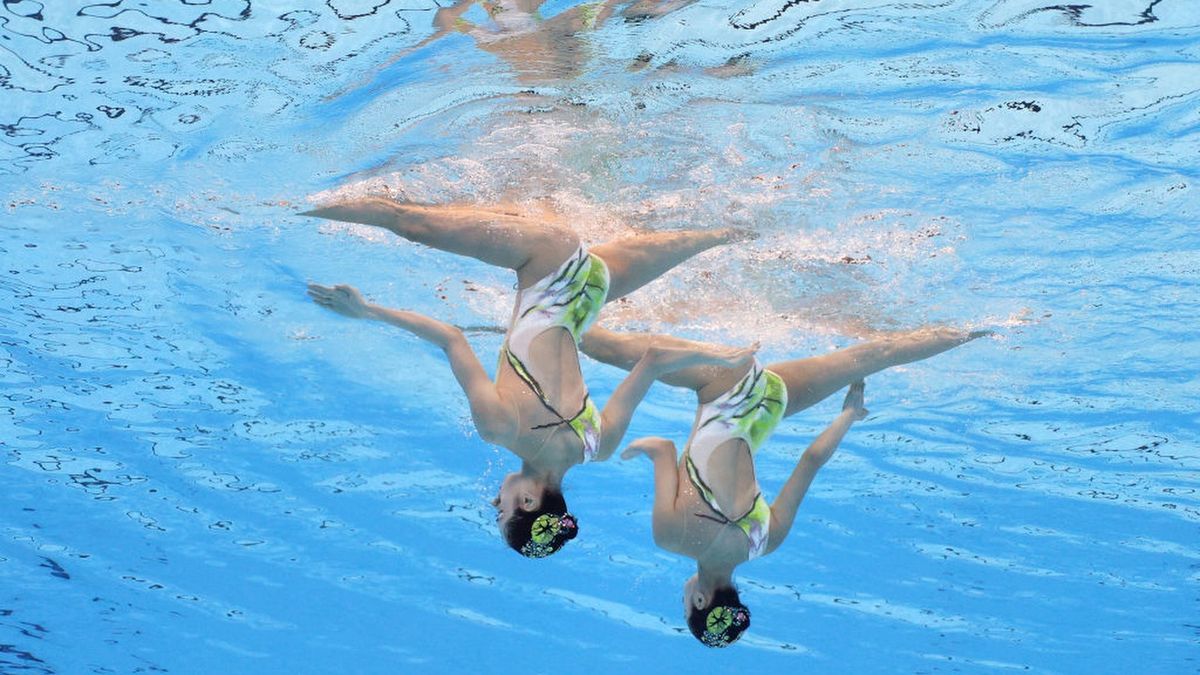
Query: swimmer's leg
(810, 380)
(623, 350)
(634, 262)
(533, 249)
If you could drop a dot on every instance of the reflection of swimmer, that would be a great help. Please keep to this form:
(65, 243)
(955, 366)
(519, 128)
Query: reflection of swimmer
(537, 49)
(708, 506)
(538, 406)
(540, 49)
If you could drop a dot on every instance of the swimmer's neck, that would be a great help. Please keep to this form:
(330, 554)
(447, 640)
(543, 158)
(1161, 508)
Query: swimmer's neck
(711, 576)
(549, 476)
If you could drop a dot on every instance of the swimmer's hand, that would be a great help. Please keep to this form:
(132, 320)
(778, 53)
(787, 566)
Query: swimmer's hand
(666, 359)
(853, 405)
(343, 299)
(650, 446)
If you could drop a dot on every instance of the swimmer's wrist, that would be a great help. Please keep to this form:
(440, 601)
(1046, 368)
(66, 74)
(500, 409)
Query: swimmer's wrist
(847, 417)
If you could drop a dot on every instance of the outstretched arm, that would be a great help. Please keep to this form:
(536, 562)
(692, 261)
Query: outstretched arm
(655, 362)
(493, 416)
(783, 509)
(662, 452)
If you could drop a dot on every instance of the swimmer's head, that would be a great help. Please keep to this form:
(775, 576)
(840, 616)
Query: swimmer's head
(533, 516)
(716, 617)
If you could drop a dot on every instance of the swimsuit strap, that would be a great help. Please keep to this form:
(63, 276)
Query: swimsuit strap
(722, 520)
(527, 378)
(757, 526)
(563, 420)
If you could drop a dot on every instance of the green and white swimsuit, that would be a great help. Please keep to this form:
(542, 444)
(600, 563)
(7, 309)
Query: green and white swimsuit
(748, 411)
(569, 298)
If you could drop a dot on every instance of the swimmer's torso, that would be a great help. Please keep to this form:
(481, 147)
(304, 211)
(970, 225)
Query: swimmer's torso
(700, 537)
(554, 363)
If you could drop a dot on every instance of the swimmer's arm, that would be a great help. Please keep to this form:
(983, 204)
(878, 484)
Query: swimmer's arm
(494, 417)
(666, 521)
(618, 411)
(657, 361)
(783, 509)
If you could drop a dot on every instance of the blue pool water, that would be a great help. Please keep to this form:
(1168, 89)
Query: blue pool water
(203, 472)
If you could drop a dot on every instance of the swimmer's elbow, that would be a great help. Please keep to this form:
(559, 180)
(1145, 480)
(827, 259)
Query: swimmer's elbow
(666, 533)
(660, 536)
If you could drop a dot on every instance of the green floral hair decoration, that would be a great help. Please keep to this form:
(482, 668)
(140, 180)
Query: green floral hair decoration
(724, 625)
(545, 533)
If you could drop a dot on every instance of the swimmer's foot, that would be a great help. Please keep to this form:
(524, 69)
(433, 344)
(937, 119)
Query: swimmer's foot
(667, 358)
(938, 338)
(650, 446)
(367, 211)
(962, 336)
(948, 334)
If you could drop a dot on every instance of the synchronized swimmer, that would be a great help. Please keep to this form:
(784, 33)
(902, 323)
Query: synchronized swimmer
(538, 407)
(707, 503)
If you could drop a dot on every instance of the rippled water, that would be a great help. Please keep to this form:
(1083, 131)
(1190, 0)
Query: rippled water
(201, 470)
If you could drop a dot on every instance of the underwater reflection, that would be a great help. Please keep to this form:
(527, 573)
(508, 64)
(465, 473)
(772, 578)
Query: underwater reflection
(707, 504)
(538, 407)
(537, 49)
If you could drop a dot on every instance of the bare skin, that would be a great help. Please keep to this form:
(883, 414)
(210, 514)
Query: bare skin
(537, 50)
(718, 548)
(507, 412)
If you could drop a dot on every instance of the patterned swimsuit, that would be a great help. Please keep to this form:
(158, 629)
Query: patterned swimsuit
(570, 298)
(748, 411)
